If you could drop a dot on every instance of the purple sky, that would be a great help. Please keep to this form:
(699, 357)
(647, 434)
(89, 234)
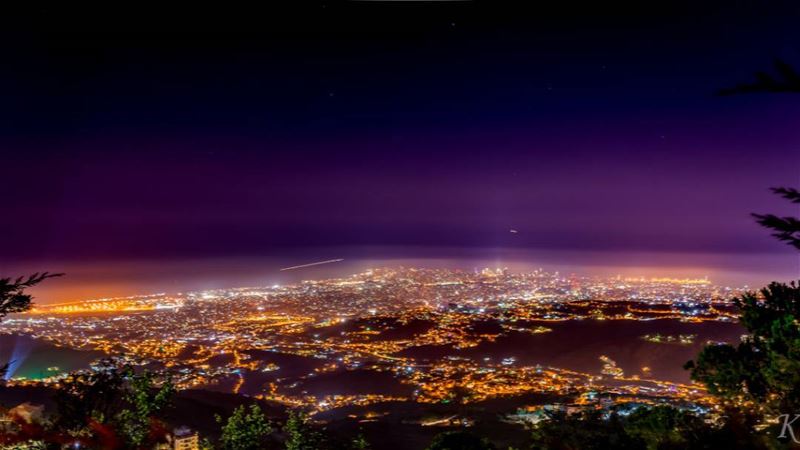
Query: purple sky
(442, 127)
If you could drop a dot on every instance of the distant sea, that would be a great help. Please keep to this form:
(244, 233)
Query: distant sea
(36, 358)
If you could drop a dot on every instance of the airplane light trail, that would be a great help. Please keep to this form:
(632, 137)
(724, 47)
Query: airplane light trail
(312, 264)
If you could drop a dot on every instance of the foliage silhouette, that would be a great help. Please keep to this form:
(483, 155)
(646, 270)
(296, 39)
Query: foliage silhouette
(647, 428)
(113, 407)
(459, 440)
(788, 80)
(786, 229)
(245, 429)
(360, 443)
(145, 397)
(762, 373)
(300, 434)
(14, 299)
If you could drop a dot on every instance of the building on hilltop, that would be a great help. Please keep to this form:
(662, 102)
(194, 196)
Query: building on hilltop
(182, 438)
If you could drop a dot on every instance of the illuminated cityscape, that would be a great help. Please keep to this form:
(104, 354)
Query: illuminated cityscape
(381, 322)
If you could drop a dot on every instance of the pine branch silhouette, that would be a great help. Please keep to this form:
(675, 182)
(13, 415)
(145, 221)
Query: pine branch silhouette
(787, 80)
(787, 228)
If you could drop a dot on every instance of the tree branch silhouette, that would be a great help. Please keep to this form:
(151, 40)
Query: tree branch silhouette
(787, 80)
(14, 299)
(787, 228)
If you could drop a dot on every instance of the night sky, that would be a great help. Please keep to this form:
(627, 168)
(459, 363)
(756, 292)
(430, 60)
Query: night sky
(170, 135)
